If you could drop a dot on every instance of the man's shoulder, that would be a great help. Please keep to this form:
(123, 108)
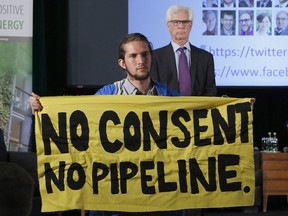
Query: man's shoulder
(163, 49)
(158, 84)
(163, 52)
(199, 51)
(285, 31)
(163, 90)
(107, 90)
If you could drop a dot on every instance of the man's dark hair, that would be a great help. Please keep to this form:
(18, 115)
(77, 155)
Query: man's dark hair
(228, 13)
(249, 12)
(130, 38)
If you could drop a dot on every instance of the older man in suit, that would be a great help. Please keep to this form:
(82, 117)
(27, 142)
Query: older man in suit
(201, 63)
(281, 23)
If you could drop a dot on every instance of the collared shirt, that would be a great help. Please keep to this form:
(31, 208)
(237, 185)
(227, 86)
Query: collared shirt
(283, 5)
(249, 33)
(278, 31)
(228, 6)
(125, 87)
(206, 5)
(177, 53)
(213, 32)
(281, 31)
(246, 3)
(223, 32)
(264, 4)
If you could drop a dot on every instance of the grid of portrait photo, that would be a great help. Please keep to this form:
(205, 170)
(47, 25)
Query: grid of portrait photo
(245, 17)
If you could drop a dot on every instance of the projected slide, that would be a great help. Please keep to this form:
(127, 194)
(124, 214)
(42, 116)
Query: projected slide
(249, 40)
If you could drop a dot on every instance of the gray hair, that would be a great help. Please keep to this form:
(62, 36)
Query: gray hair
(176, 9)
(282, 11)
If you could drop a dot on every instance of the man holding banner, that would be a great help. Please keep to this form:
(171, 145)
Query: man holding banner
(135, 57)
(153, 155)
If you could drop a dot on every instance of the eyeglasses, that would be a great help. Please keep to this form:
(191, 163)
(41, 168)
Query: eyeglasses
(281, 19)
(244, 20)
(178, 22)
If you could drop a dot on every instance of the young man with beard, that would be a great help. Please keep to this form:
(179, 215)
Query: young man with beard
(135, 57)
(246, 22)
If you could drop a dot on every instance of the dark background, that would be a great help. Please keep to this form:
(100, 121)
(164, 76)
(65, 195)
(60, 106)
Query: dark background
(51, 66)
(94, 31)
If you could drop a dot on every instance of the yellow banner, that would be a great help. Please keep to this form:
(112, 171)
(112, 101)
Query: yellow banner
(144, 153)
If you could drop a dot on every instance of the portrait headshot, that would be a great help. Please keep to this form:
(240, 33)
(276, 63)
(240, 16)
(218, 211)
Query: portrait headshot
(281, 23)
(210, 3)
(246, 22)
(228, 22)
(264, 23)
(210, 20)
(246, 3)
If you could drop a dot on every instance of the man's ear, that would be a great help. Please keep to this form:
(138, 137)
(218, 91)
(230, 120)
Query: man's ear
(122, 64)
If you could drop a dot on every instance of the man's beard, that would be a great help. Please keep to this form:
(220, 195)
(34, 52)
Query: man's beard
(141, 76)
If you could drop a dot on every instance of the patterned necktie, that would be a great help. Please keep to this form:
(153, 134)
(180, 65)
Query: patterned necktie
(184, 74)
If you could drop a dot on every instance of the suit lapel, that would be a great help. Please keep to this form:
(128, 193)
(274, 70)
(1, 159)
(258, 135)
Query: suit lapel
(172, 66)
(171, 60)
(193, 59)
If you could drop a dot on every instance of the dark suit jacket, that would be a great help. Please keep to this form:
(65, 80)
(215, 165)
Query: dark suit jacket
(269, 4)
(285, 31)
(202, 70)
(280, 6)
(222, 5)
(244, 4)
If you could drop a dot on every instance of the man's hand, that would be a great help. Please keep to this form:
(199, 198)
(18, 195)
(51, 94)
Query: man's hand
(252, 101)
(35, 103)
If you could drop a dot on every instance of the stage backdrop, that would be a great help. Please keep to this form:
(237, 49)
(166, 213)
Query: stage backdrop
(240, 60)
(144, 153)
(15, 71)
